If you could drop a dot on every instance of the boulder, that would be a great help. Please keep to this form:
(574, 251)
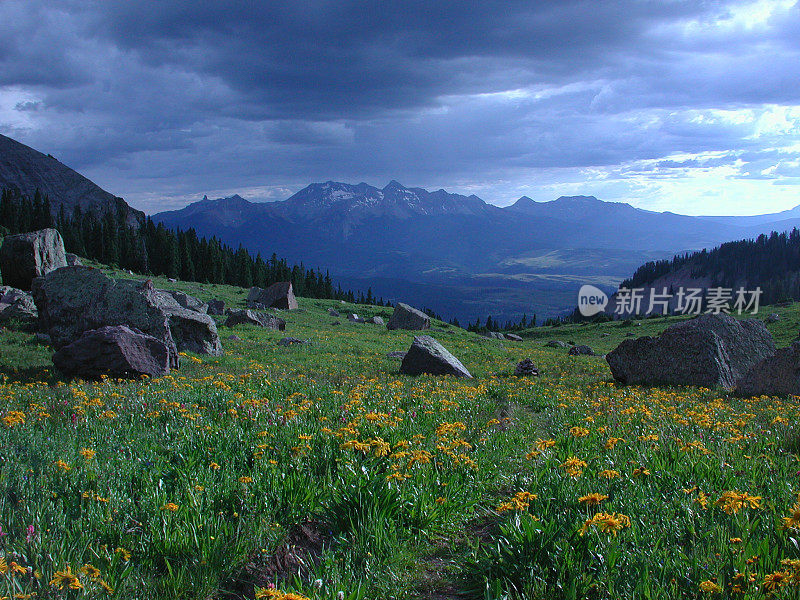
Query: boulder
(114, 351)
(556, 344)
(238, 316)
(401, 354)
(709, 351)
(426, 355)
(333, 312)
(25, 256)
(408, 317)
(9, 295)
(581, 351)
(777, 375)
(73, 300)
(278, 295)
(354, 318)
(216, 307)
(513, 337)
(21, 310)
(189, 302)
(376, 320)
(290, 341)
(493, 335)
(74, 261)
(525, 368)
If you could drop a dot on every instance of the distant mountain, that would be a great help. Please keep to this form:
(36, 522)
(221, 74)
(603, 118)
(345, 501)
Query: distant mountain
(26, 170)
(456, 253)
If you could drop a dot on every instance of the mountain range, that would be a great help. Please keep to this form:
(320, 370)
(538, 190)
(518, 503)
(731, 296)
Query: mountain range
(458, 254)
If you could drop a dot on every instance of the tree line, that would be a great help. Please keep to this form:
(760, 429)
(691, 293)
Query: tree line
(153, 249)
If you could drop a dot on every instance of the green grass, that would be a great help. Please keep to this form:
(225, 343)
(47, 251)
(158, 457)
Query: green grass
(337, 474)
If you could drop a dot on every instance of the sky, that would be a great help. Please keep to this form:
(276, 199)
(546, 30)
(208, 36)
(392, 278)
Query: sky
(688, 106)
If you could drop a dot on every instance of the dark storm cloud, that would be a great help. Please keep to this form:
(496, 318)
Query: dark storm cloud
(185, 97)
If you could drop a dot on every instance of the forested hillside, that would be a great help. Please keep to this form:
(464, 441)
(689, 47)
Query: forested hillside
(771, 262)
(154, 249)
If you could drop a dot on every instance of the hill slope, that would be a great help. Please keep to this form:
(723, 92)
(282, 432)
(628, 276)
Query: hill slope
(769, 262)
(26, 170)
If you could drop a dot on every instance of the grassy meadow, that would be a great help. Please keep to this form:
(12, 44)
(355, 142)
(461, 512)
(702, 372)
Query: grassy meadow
(317, 471)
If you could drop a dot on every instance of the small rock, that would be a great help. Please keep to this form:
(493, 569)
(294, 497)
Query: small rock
(289, 341)
(513, 337)
(773, 318)
(526, 367)
(234, 338)
(237, 316)
(376, 321)
(581, 351)
(556, 344)
(333, 312)
(401, 354)
(354, 318)
(336, 323)
(43, 339)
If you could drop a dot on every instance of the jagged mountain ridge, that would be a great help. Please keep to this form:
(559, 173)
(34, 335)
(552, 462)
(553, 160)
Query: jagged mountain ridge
(526, 257)
(26, 170)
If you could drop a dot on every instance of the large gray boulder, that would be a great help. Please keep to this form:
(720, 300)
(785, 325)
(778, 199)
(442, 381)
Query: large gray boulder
(278, 295)
(426, 355)
(777, 375)
(114, 351)
(238, 316)
(408, 317)
(25, 256)
(189, 302)
(73, 300)
(708, 351)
